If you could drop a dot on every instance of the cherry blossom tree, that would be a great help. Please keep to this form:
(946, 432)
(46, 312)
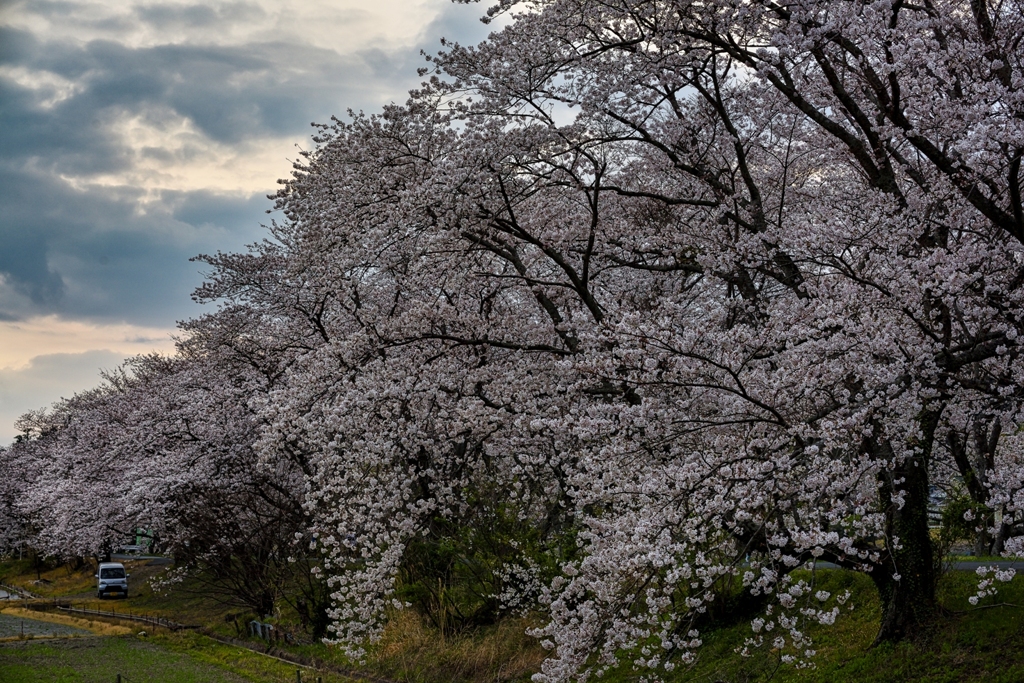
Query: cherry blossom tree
(72, 478)
(682, 295)
(721, 280)
(166, 445)
(14, 529)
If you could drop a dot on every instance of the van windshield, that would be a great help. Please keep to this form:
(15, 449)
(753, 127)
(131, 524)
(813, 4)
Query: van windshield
(112, 573)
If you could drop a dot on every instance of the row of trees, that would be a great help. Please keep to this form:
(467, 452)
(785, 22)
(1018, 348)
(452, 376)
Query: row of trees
(165, 445)
(630, 302)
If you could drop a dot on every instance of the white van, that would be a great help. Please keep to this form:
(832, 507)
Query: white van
(112, 580)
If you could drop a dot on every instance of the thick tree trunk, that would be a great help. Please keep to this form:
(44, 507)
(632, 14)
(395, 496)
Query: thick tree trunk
(906, 581)
(909, 600)
(1004, 531)
(263, 605)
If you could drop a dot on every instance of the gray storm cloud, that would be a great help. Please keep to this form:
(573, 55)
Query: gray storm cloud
(97, 225)
(135, 136)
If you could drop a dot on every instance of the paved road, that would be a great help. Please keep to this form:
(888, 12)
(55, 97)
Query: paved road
(971, 565)
(961, 565)
(153, 559)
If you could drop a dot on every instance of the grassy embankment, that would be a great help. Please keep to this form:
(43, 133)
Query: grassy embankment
(410, 651)
(967, 644)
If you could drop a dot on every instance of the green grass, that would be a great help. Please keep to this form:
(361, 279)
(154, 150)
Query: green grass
(965, 644)
(251, 666)
(98, 660)
(186, 658)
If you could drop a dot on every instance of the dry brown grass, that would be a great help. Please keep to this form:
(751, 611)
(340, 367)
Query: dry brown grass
(59, 581)
(99, 628)
(412, 651)
(63, 581)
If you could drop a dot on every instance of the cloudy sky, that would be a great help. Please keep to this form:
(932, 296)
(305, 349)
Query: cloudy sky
(136, 134)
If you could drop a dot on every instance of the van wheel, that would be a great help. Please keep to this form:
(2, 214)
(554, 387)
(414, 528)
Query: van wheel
(99, 595)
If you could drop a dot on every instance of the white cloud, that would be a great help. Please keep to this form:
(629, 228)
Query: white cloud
(162, 149)
(134, 140)
(345, 26)
(22, 342)
(51, 89)
(45, 380)
(43, 360)
(167, 151)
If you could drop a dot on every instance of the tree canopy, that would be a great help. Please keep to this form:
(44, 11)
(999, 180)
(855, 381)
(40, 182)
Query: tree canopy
(629, 304)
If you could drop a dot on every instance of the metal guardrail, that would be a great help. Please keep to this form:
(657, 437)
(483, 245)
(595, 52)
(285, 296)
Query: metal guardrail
(111, 614)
